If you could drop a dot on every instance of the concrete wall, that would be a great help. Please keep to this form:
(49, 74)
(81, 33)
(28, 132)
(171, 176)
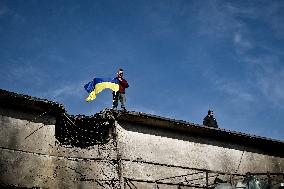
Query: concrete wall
(150, 153)
(40, 161)
(31, 156)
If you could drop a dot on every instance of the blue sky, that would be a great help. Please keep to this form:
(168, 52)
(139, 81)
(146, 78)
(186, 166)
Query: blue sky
(180, 57)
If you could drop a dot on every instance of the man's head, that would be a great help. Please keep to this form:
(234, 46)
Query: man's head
(210, 113)
(120, 72)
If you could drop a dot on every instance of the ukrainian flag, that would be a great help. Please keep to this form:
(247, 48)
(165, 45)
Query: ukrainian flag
(98, 85)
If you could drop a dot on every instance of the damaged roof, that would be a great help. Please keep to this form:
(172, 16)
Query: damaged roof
(19, 101)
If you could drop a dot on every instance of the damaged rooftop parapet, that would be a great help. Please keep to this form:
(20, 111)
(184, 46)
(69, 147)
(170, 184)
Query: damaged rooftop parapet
(43, 146)
(81, 123)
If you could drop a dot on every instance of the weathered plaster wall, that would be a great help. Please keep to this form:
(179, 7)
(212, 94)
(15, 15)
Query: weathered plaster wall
(31, 156)
(147, 150)
(39, 160)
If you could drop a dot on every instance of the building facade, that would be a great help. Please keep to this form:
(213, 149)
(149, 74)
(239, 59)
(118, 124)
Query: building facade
(42, 146)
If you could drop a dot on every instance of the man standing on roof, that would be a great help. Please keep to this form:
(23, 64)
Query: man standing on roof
(209, 120)
(120, 94)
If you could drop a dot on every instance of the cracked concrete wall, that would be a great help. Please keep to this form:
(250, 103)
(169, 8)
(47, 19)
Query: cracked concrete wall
(31, 156)
(39, 160)
(151, 153)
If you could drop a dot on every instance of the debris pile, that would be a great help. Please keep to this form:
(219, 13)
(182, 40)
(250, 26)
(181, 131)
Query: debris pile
(84, 131)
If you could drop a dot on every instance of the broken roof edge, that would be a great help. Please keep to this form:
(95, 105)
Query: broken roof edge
(20, 101)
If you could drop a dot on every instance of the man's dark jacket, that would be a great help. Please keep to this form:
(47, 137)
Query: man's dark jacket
(210, 122)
